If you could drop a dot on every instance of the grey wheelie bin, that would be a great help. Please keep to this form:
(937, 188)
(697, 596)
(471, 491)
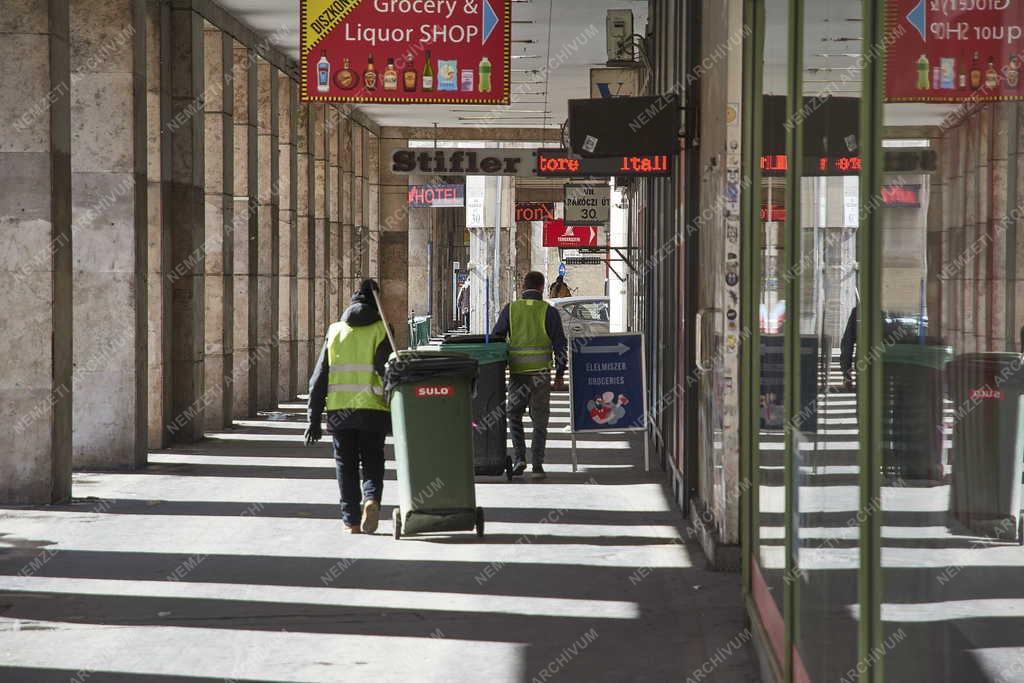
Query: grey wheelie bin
(988, 442)
(912, 410)
(490, 454)
(431, 413)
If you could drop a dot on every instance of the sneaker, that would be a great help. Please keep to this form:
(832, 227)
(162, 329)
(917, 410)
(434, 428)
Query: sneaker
(519, 467)
(538, 472)
(371, 515)
(351, 529)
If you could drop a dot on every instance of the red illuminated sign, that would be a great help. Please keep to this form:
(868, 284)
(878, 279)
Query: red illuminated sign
(558, 234)
(406, 51)
(901, 196)
(953, 51)
(436, 196)
(535, 211)
(563, 164)
(773, 213)
(777, 164)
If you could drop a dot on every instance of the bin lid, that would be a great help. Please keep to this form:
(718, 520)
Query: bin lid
(495, 352)
(922, 355)
(473, 338)
(992, 361)
(422, 365)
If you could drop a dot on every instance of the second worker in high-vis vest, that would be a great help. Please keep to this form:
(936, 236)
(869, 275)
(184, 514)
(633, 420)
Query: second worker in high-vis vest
(533, 330)
(349, 382)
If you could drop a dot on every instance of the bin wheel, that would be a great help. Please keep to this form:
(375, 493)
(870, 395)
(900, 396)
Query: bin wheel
(480, 522)
(508, 469)
(396, 518)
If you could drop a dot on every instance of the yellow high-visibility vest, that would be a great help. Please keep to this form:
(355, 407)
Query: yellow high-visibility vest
(529, 347)
(352, 382)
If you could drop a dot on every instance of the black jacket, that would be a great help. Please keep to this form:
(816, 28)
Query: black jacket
(359, 314)
(552, 325)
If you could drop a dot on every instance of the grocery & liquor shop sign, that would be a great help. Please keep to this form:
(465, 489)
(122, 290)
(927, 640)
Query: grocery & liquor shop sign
(405, 51)
(954, 50)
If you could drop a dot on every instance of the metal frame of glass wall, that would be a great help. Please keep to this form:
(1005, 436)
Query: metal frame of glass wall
(869, 384)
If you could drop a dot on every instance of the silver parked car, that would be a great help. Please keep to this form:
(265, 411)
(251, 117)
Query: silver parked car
(582, 316)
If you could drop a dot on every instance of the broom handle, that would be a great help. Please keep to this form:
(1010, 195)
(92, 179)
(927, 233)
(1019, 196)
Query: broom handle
(387, 327)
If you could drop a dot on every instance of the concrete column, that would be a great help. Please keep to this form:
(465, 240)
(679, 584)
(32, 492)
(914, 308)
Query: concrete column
(304, 215)
(218, 59)
(392, 222)
(997, 210)
(334, 119)
(268, 170)
(35, 265)
(158, 103)
(317, 244)
(185, 211)
(371, 203)
(244, 121)
(287, 98)
(420, 223)
(346, 241)
(109, 211)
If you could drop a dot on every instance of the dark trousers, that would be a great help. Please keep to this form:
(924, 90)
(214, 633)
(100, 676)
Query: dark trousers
(531, 391)
(352, 448)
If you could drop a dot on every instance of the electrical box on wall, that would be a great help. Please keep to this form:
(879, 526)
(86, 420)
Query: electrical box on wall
(619, 32)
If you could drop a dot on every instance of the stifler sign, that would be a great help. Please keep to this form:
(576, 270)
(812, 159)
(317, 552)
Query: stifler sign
(524, 163)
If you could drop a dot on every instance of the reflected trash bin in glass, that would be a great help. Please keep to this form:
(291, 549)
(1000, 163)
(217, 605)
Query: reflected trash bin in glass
(988, 442)
(912, 410)
(431, 413)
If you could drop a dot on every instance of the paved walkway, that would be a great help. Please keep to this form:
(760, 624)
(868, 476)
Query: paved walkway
(226, 561)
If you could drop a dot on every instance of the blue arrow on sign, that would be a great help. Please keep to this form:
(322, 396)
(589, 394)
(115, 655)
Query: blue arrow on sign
(490, 21)
(618, 349)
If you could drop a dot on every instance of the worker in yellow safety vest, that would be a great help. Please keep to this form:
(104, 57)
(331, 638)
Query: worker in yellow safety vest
(533, 330)
(349, 382)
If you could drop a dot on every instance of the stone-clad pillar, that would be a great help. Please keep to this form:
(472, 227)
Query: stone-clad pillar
(334, 120)
(218, 59)
(393, 225)
(318, 244)
(35, 264)
(358, 256)
(185, 211)
(304, 231)
(371, 205)
(346, 238)
(243, 82)
(159, 235)
(267, 239)
(109, 212)
(287, 237)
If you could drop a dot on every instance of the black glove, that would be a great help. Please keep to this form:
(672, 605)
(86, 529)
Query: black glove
(314, 432)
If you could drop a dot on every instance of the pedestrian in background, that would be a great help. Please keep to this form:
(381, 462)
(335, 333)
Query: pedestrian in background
(534, 333)
(349, 382)
(559, 288)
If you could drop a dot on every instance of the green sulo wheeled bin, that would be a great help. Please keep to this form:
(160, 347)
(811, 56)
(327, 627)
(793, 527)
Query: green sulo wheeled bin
(912, 410)
(988, 442)
(490, 453)
(431, 396)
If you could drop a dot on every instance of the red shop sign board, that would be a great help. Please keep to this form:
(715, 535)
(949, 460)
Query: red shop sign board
(558, 234)
(405, 51)
(954, 50)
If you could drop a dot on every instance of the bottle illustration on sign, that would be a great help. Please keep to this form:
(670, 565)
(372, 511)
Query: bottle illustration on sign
(936, 78)
(370, 75)
(1013, 72)
(467, 80)
(485, 75)
(323, 73)
(447, 74)
(345, 78)
(390, 79)
(947, 73)
(428, 74)
(975, 72)
(962, 78)
(409, 74)
(991, 75)
(922, 73)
